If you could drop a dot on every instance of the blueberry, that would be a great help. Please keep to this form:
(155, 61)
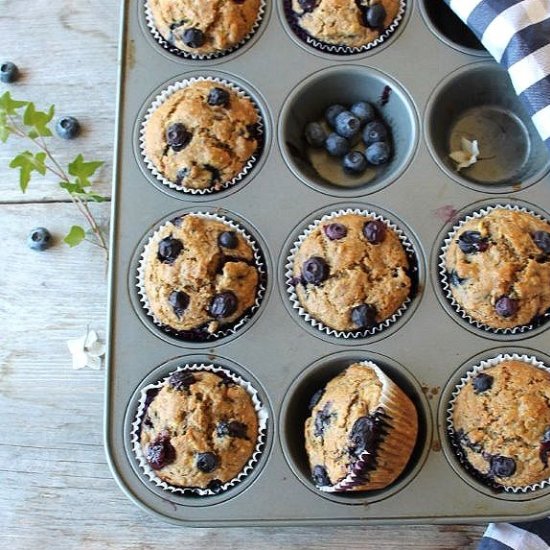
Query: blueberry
(347, 125)
(322, 420)
(67, 127)
(354, 163)
(307, 5)
(169, 249)
(160, 453)
(39, 239)
(332, 112)
(482, 382)
(232, 429)
(181, 380)
(207, 462)
(253, 131)
(363, 316)
(374, 231)
(471, 242)
(374, 132)
(364, 111)
(215, 175)
(228, 239)
(177, 136)
(315, 270)
(336, 145)
(506, 307)
(544, 450)
(362, 436)
(378, 153)
(8, 72)
(335, 231)
(454, 279)
(193, 38)
(315, 134)
(181, 175)
(179, 302)
(215, 484)
(374, 16)
(502, 466)
(218, 97)
(224, 305)
(320, 476)
(315, 398)
(542, 240)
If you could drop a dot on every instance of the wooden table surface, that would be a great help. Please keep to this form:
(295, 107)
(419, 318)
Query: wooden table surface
(55, 486)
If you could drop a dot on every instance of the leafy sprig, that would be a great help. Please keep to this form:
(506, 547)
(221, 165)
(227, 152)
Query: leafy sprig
(22, 119)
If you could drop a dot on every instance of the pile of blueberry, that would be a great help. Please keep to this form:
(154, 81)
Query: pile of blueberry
(342, 129)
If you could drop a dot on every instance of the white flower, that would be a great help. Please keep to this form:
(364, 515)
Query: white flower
(467, 156)
(87, 351)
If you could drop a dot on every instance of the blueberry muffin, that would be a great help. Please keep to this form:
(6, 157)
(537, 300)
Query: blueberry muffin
(361, 432)
(199, 430)
(206, 27)
(351, 23)
(199, 275)
(350, 272)
(501, 424)
(498, 268)
(202, 136)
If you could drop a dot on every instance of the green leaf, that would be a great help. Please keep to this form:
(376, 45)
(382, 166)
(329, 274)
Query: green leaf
(94, 197)
(5, 129)
(82, 171)
(38, 120)
(75, 236)
(27, 164)
(9, 106)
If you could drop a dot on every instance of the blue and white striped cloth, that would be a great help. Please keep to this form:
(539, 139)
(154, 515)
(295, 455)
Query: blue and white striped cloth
(533, 535)
(517, 34)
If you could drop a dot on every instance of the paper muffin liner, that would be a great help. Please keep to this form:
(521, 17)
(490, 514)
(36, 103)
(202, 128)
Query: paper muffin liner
(396, 426)
(291, 288)
(339, 49)
(445, 283)
(165, 95)
(472, 372)
(143, 405)
(259, 264)
(150, 20)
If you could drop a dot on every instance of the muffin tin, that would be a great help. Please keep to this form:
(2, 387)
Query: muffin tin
(438, 87)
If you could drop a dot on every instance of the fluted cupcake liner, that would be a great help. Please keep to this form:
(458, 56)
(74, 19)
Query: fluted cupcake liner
(224, 331)
(291, 289)
(150, 20)
(143, 404)
(165, 95)
(444, 279)
(472, 372)
(339, 49)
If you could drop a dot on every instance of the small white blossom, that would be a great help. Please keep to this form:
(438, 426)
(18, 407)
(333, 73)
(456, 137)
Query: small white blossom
(467, 155)
(87, 351)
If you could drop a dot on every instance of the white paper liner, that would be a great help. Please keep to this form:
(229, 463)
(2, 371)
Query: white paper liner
(341, 49)
(196, 56)
(167, 93)
(262, 430)
(474, 371)
(291, 290)
(446, 286)
(258, 263)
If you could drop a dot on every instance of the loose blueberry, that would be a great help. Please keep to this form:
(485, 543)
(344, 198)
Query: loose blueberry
(39, 239)
(363, 316)
(320, 476)
(502, 466)
(169, 249)
(363, 111)
(374, 132)
(332, 112)
(8, 72)
(181, 380)
(374, 16)
(228, 239)
(506, 307)
(471, 242)
(454, 279)
(181, 175)
(232, 429)
(315, 134)
(207, 462)
(378, 153)
(542, 240)
(322, 420)
(347, 125)
(177, 136)
(374, 231)
(218, 97)
(160, 453)
(193, 38)
(315, 398)
(335, 231)
(67, 127)
(307, 5)
(482, 382)
(354, 163)
(179, 302)
(315, 270)
(362, 436)
(336, 145)
(223, 305)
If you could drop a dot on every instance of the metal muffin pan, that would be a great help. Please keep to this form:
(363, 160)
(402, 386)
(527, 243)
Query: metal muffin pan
(436, 84)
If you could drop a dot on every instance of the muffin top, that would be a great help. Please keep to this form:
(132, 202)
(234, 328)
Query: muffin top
(202, 136)
(501, 421)
(199, 273)
(205, 27)
(345, 22)
(199, 430)
(499, 268)
(351, 272)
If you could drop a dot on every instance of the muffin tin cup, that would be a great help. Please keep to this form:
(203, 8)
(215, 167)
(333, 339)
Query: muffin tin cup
(165, 95)
(259, 407)
(233, 328)
(150, 21)
(471, 373)
(519, 331)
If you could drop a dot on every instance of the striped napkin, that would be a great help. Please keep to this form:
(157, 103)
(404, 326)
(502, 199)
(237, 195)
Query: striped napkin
(517, 34)
(533, 535)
